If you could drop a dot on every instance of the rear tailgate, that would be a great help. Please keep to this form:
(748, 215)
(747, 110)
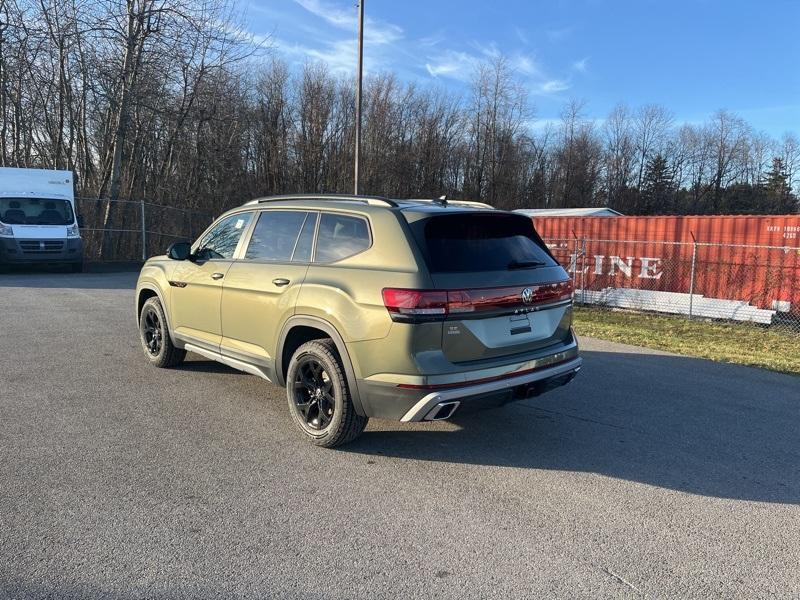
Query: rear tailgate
(506, 294)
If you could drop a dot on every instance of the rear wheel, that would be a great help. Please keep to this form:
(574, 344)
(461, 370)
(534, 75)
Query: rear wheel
(156, 342)
(77, 267)
(319, 397)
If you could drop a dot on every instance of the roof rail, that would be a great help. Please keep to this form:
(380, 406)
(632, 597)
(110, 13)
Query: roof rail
(371, 200)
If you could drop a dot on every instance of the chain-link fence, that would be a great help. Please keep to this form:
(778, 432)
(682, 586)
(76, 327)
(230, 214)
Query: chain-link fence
(745, 283)
(128, 230)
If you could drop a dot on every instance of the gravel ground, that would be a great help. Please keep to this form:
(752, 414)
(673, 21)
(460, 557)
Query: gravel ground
(650, 475)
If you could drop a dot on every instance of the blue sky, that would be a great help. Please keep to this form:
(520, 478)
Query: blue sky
(692, 56)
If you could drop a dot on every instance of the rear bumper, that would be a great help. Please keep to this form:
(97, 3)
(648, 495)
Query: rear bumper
(443, 403)
(412, 398)
(25, 252)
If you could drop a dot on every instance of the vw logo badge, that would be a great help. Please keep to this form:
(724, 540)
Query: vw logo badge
(527, 295)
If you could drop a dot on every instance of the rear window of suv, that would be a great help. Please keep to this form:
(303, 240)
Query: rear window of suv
(467, 242)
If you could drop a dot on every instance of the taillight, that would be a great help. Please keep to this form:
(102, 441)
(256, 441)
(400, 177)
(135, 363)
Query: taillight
(433, 305)
(415, 305)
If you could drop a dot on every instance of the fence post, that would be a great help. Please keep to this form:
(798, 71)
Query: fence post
(583, 271)
(691, 277)
(574, 261)
(144, 233)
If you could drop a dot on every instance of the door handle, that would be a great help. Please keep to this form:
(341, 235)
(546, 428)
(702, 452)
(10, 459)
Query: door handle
(217, 275)
(280, 281)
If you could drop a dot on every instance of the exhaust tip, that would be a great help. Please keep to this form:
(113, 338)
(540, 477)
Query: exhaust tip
(442, 411)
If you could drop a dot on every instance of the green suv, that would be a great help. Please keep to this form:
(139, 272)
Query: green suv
(412, 310)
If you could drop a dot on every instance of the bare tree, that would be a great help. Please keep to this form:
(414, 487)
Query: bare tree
(651, 125)
(727, 137)
(497, 113)
(620, 149)
(172, 102)
(789, 153)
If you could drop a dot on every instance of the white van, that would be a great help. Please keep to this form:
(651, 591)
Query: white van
(38, 223)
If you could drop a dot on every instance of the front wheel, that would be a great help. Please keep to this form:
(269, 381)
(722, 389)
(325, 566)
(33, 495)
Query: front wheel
(154, 334)
(319, 398)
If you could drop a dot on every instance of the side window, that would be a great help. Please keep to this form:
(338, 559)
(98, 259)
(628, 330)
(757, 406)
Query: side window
(277, 235)
(221, 240)
(341, 236)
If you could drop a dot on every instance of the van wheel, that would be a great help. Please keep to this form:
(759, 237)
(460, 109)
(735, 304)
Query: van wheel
(76, 267)
(319, 398)
(156, 342)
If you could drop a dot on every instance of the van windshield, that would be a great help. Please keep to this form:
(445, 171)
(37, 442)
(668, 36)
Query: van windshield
(481, 241)
(36, 211)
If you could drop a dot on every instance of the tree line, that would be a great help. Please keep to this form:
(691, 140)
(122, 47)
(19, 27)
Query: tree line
(170, 101)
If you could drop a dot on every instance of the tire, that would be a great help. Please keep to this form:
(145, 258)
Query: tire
(76, 267)
(319, 397)
(154, 335)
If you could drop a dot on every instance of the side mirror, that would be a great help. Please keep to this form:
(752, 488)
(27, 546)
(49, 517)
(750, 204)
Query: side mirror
(179, 251)
(81, 221)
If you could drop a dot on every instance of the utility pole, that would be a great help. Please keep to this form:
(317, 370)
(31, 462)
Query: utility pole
(358, 91)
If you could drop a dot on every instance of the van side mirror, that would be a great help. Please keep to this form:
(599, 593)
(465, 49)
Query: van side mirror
(81, 221)
(179, 250)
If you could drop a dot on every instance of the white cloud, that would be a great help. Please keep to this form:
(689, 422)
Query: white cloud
(431, 41)
(325, 31)
(334, 16)
(489, 50)
(550, 86)
(458, 65)
(524, 64)
(453, 64)
(339, 56)
(582, 65)
(375, 32)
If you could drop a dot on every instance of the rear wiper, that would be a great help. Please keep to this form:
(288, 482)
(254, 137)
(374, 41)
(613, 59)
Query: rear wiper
(525, 264)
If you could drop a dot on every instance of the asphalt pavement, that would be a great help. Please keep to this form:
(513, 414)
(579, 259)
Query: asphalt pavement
(651, 475)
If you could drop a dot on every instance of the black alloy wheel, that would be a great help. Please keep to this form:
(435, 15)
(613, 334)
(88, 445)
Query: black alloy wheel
(157, 344)
(152, 331)
(314, 394)
(319, 395)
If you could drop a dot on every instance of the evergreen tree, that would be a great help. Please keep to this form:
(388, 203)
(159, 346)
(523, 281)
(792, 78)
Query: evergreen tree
(780, 199)
(658, 187)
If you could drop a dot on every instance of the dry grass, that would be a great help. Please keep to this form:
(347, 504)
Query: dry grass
(740, 343)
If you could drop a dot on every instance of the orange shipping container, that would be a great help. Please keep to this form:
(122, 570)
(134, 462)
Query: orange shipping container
(754, 259)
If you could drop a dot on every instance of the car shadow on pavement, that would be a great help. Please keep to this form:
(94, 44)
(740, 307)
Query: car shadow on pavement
(197, 364)
(675, 422)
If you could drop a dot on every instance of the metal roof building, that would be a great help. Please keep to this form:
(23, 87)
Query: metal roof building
(599, 211)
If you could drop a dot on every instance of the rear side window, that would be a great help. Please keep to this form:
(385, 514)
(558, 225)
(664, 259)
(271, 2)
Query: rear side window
(466, 242)
(341, 236)
(276, 235)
